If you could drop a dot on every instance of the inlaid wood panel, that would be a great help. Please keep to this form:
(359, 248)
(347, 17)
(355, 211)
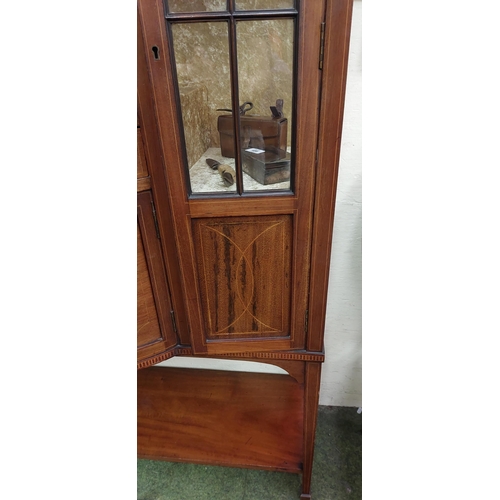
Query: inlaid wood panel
(244, 266)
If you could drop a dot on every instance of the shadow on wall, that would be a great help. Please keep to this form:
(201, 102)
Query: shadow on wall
(341, 378)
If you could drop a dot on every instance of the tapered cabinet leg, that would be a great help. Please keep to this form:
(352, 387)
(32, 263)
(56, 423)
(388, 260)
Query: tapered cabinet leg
(311, 400)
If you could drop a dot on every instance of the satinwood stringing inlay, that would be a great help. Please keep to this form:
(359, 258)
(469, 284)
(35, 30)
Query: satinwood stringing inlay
(245, 266)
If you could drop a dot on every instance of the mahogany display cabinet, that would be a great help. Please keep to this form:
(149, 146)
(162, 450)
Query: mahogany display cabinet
(234, 249)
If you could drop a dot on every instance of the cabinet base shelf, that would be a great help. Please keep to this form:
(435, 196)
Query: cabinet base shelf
(214, 417)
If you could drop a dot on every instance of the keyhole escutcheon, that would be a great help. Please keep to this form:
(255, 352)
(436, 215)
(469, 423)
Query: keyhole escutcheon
(156, 52)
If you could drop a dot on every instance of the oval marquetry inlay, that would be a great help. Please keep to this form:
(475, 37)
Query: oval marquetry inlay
(244, 265)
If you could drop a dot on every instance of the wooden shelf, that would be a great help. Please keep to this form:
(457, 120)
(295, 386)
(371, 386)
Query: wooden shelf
(237, 419)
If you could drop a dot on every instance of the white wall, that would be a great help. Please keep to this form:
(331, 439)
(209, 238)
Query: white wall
(341, 375)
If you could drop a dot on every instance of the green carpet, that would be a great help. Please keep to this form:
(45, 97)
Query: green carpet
(336, 471)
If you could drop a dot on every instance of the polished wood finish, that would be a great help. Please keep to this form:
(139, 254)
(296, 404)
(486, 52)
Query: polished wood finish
(150, 27)
(142, 166)
(148, 326)
(252, 420)
(299, 203)
(237, 256)
(246, 275)
(144, 184)
(155, 333)
(157, 184)
(336, 52)
(311, 400)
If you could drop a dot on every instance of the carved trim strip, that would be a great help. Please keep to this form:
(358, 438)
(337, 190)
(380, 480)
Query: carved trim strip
(188, 351)
(183, 351)
(156, 359)
(277, 355)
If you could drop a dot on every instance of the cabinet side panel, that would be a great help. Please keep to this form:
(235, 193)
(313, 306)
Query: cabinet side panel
(336, 52)
(215, 417)
(155, 329)
(142, 166)
(148, 327)
(244, 264)
(157, 182)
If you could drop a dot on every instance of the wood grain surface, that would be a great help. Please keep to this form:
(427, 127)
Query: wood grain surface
(244, 266)
(142, 166)
(155, 333)
(252, 420)
(148, 327)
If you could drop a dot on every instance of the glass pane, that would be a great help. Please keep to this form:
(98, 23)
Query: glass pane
(265, 78)
(196, 5)
(203, 73)
(264, 4)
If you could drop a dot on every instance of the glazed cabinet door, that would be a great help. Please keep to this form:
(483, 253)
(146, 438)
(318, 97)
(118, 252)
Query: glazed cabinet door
(155, 329)
(236, 88)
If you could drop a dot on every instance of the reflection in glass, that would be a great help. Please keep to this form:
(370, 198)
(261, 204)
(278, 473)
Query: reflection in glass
(196, 5)
(264, 4)
(265, 79)
(203, 73)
